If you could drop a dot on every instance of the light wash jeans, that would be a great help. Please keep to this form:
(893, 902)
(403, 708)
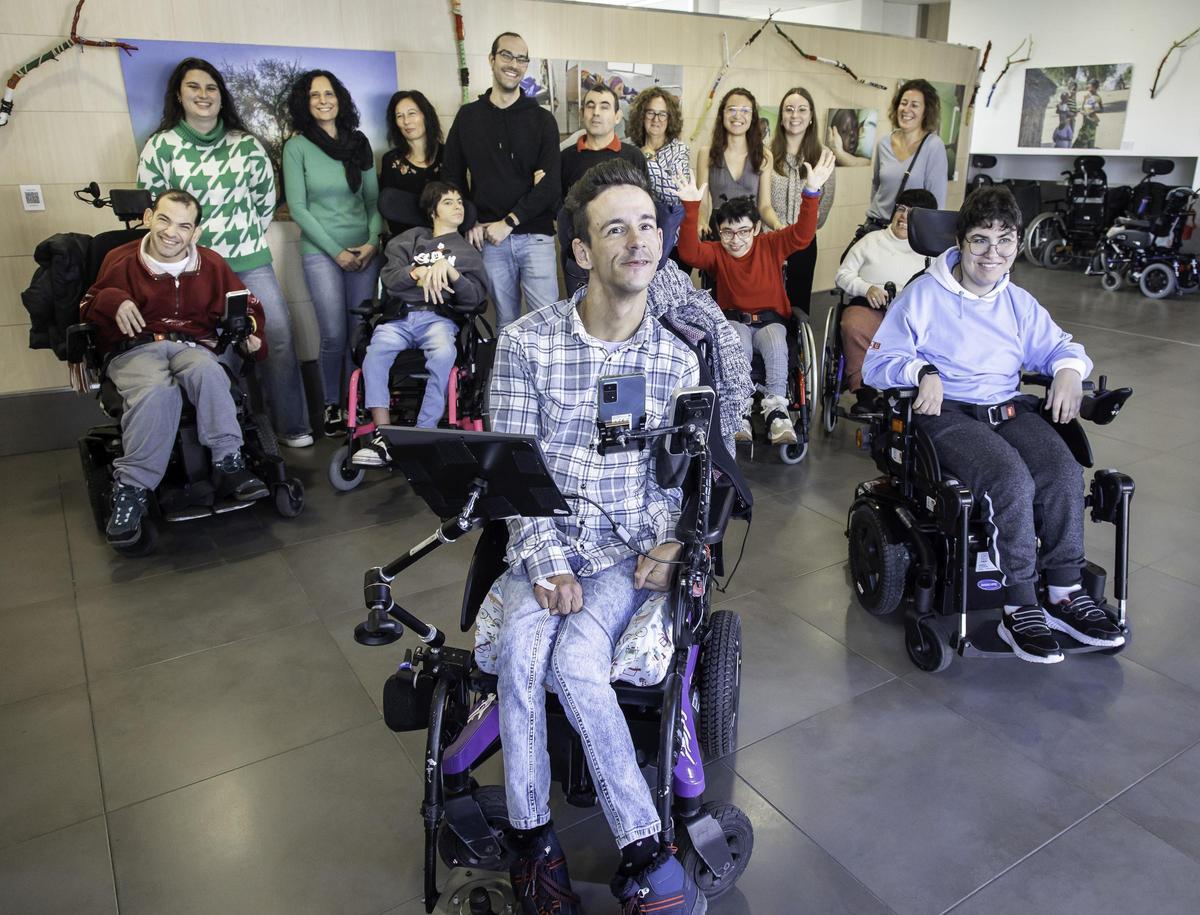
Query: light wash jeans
(334, 291)
(424, 330)
(282, 383)
(521, 264)
(573, 654)
(771, 342)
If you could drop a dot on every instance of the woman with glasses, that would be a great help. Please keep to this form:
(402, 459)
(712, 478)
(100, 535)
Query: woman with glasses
(736, 163)
(655, 123)
(415, 158)
(332, 191)
(795, 145)
(913, 155)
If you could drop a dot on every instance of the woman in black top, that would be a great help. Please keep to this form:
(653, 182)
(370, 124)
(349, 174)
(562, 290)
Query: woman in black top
(416, 154)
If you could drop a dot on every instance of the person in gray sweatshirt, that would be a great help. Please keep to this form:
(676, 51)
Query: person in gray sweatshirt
(962, 333)
(433, 278)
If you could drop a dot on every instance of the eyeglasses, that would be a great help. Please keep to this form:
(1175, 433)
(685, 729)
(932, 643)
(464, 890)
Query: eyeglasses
(743, 110)
(794, 109)
(902, 211)
(657, 115)
(510, 58)
(740, 234)
(1005, 247)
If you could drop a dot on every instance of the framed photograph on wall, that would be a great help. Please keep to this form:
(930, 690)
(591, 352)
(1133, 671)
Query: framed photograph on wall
(1075, 107)
(851, 134)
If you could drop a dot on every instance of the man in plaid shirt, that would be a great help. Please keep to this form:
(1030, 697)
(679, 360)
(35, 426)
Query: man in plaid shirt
(572, 585)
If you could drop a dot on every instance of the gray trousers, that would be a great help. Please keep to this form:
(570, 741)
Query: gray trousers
(151, 380)
(1029, 485)
(770, 340)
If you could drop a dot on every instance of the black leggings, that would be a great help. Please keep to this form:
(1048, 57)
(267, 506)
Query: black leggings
(798, 277)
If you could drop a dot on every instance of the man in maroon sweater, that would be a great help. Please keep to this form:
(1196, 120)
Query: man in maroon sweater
(749, 273)
(156, 303)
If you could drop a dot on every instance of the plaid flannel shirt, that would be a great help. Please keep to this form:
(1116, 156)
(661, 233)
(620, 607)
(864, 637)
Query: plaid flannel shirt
(544, 385)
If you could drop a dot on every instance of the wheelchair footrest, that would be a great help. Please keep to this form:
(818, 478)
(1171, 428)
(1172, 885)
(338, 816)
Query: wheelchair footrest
(192, 512)
(983, 641)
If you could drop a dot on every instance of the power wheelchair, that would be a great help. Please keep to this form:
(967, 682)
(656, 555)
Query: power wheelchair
(1072, 231)
(186, 491)
(466, 397)
(918, 538)
(475, 480)
(1147, 251)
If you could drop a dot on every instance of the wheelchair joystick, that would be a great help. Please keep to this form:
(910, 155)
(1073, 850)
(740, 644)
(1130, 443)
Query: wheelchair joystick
(378, 629)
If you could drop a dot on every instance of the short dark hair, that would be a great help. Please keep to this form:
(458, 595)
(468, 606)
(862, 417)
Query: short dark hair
(180, 196)
(596, 180)
(916, 197)
(496, 41)
(602, 87)
(433, 124)
(737, 209)
(173, 112)
(432, 195)
(932, 121)
(988, 206)
(301, 117)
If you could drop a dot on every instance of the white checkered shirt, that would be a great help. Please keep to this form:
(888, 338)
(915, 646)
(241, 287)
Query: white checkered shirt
(544, 385)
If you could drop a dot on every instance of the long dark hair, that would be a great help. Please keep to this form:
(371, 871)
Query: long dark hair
(301, 117)
(932, 121)
(810, 145)
(433, 126)
(754, 140)
(173, 111)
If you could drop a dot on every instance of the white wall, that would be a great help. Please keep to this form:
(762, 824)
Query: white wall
(899, 19)
(1069, 32)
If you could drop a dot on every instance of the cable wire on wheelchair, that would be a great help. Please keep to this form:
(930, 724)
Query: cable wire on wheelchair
(622, 532)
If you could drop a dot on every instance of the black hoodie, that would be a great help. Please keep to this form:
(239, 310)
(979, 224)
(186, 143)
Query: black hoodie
(502, 148)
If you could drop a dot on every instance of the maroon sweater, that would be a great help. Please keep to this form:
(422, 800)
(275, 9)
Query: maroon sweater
(191, 304)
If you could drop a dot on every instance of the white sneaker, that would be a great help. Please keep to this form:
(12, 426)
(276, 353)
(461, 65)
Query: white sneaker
(782, 432)
(296, 441)
(746, 432)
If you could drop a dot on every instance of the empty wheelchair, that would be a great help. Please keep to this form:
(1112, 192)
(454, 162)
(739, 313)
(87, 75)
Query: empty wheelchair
(1073, 230)
(1147, 252)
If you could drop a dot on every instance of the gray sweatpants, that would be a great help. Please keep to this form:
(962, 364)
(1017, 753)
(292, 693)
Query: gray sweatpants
(769, 340)
(151, 379)
(1029, 485)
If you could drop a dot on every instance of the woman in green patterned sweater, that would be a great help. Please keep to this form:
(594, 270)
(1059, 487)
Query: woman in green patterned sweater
(201, 146)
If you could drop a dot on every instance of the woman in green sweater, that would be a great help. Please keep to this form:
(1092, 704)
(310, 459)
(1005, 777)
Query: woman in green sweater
(201, 146)
(332, 189)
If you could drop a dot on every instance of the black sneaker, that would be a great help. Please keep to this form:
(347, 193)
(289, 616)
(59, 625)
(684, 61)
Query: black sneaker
(335, 423)
(664, 888)
(1083, 621)
(373, 452)
(1026, 632)
(129, 506)
(540, 881)
(232, 478)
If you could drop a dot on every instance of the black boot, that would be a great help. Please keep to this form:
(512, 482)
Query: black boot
(232, 479)
(128, 509)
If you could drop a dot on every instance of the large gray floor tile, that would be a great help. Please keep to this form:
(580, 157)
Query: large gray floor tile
(174, 723)
(330, 827)
(50, 779)
(1164, 880)
(136, 623)
(1163, 614)
(64, 871)
(1167, 802)
(786, 540)
(915, 801)
(34, 564)
(39, 649)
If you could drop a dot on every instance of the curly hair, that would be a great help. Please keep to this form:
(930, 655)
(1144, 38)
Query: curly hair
(297, 104)
(754, 139)
(636, 124)
(173, 107)
(933, 105)
(987, 207)
(810, 144)
(433, 125)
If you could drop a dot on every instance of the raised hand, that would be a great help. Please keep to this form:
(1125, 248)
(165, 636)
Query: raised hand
(816, 175)
(685, 187)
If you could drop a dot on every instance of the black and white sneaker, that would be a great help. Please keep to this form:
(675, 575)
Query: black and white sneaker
(373, 452)
(335, 422)
(1026, 632)
(1085, 622)
(129, 507)
(233, 479)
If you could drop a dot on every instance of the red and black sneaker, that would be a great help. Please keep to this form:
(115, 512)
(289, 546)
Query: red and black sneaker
(540, 881)
(663, 888)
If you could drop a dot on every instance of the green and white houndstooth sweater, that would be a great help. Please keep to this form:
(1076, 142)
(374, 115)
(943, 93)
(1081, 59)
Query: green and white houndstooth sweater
(232, 177)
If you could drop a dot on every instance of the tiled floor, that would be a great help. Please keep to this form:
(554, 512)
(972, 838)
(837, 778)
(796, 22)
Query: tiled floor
(198, 732)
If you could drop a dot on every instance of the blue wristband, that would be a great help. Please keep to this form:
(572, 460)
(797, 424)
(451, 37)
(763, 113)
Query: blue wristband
(805, 192)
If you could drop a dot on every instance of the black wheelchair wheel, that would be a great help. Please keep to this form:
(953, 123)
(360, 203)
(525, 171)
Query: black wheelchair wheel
(1056, 255)
(1158, 282)
(1042, 229)
(1112, 280)
(455, 853)
(289, 498)
(829, 372)
(739, 835)
(720, 678)
(98, 484)
(927, 647)
(878, 566)
(344, 476)
(146, 543)
(267, 440)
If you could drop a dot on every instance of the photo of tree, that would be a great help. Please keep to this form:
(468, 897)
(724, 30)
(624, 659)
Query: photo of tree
(1076, 107)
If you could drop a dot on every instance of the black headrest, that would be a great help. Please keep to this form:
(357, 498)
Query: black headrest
(1157, 166)
(930, 232)
(1088, 163)
(401, 207)
(130, 203)
(983, 161)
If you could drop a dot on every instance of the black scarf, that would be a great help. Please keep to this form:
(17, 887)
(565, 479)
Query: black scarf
(353, 150)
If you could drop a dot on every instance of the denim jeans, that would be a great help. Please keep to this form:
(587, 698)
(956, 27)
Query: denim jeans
(521, 264)
(282, 383)
(334, 291)
(573, 654)
(771, 341)
(424, 330)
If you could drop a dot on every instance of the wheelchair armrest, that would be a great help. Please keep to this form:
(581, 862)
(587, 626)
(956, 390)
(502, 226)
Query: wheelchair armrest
(1043, 380)
(900, 393)
(1076, 440)
(1103, 408)
(81, 342)
(720, 510)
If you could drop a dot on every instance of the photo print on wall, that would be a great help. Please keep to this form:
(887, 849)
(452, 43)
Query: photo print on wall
(851, 134)
(1077, 107)
(951, 97)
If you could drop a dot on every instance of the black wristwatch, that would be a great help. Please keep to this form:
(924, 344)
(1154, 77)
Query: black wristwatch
(510, 220)
(927, 369)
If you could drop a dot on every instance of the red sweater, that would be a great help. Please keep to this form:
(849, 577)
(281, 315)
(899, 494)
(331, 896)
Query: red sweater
(191, 304)
(753, 282)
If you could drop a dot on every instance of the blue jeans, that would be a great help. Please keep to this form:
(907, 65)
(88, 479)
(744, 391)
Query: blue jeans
(334, 291)
(424, 330)
(521, 264)
(282, 383)
(573, 654)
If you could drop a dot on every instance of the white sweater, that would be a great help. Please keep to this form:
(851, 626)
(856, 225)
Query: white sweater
(878, 258)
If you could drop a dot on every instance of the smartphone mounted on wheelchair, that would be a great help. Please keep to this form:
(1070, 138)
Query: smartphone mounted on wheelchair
(235, 321)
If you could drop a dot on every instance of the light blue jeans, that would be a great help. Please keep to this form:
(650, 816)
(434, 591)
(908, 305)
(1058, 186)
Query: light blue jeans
(424, 330)
(521, 264)
(573, 654)
(282, 383)
(771, 342)
(334, 291)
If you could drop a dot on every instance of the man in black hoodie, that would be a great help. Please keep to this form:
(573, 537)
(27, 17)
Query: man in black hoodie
(504, 140)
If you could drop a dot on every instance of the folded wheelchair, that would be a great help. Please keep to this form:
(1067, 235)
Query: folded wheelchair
(687, 711)
(186, 491)
(918, 537)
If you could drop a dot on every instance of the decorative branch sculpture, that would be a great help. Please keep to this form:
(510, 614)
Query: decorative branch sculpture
(828, 60)
(464, 76)
(1176, 45)
(978, 79)
(721, 75)
(1008, 62)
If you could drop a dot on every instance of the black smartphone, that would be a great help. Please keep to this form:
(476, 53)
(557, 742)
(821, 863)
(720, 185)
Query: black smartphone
(691, 408)
(237, 308)
(620, 408)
